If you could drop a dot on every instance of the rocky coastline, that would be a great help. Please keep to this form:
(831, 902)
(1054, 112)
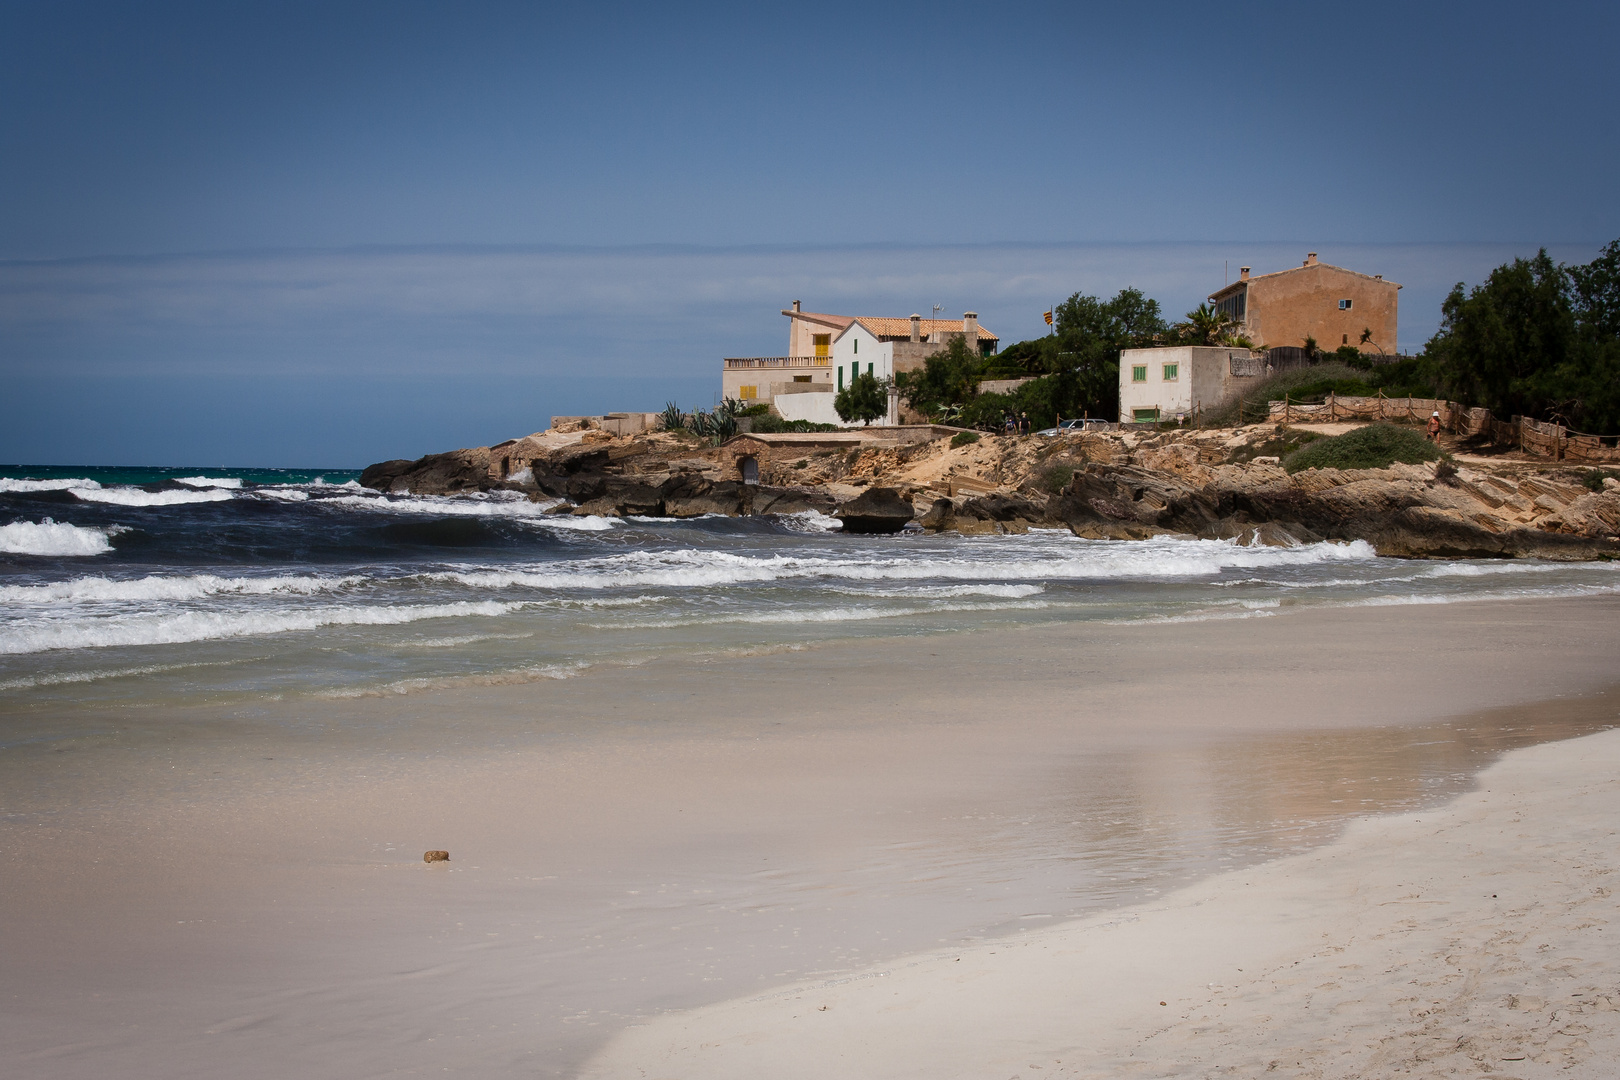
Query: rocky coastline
(1212, 484)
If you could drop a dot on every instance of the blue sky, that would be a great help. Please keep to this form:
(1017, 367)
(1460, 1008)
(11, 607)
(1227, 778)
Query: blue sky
(328, 234)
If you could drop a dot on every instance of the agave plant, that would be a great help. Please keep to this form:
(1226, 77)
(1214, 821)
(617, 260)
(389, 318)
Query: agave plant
(722, 425)
(672, 419)
(732, 407)
(698, 422)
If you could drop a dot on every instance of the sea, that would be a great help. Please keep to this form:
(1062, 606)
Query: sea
(212, 585)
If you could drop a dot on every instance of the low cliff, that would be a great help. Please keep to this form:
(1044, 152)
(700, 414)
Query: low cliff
(1210, 484)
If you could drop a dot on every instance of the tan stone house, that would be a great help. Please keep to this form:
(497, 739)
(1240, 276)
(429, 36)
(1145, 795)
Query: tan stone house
(1316, 300)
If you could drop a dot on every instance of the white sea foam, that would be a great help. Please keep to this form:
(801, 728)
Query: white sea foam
(144, 629)
(931, 592)
(209, 481)
(69, 484)
(1068, 560)
(286, 494)
(55, 538)
(134, 496)
(815, 615)
(171, 588)
(497, 504)
(60, 678)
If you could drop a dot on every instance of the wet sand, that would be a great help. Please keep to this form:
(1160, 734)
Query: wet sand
(239, 892)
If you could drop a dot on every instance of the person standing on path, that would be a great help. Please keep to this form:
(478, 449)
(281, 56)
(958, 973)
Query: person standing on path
(1434, 427)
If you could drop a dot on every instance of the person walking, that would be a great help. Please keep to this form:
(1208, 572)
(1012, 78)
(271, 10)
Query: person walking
(1434, 427)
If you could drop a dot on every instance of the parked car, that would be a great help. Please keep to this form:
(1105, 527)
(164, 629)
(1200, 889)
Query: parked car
(1075, 427)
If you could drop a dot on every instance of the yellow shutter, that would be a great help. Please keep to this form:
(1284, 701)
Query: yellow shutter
(823, 344)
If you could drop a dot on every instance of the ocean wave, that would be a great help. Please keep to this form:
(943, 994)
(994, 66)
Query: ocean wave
(209, 481)
(155, 587)
(50, 537)
(60, 678)
(134, 496)
(69, 484)
(1072, 560)
(929, 592)
(814, 615)
(128, 630)
(501, 504)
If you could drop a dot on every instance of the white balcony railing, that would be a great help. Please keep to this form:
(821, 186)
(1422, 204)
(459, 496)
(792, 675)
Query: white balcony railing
(779, 362)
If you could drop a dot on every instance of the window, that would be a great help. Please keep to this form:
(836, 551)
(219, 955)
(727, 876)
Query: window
(1144, 415)
(1172, 372)
(1344, 305)
(869, 368)
(748, 393)
(801, 378)
(823, 344)
(840, 376)
(1236, 305)
(1138, 373)
(854, 371)
(857, 344)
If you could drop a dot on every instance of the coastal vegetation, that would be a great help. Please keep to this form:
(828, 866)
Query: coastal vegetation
(1074, 371)
(866, 399)
(1536, 339)
(1376, 446)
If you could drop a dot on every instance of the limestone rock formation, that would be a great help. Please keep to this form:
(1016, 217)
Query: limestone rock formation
(876, 510)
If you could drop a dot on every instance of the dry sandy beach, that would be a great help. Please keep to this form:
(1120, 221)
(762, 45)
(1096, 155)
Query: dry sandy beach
(1092, 818)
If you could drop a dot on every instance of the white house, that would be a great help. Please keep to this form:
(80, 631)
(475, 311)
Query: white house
(826, 351)
(1181, 380)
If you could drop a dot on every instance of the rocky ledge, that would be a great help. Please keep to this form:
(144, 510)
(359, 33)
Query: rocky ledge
(1209, 484)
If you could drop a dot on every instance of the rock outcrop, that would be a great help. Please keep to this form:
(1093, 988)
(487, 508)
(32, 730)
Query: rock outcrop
(1217, 484)
(876, 510)
(1402, 511)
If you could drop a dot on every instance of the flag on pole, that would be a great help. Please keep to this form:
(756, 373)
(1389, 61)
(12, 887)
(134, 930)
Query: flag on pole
(1048, 318)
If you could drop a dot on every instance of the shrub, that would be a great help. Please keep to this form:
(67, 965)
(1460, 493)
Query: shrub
(1299, 384)
(672, 419)
(1376, 446)
(1593, 478)
(1055, 478)
(775, 425)
(964, 438)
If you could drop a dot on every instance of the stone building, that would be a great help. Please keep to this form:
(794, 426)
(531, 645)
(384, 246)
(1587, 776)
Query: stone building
(1313, 300)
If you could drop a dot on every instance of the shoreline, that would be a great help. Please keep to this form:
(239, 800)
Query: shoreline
(1473, 937)
(681, 834)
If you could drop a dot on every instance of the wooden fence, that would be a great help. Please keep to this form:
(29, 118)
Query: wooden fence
(1532, 436)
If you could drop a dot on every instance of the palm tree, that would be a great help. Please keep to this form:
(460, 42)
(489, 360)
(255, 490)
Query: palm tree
(1205, 326)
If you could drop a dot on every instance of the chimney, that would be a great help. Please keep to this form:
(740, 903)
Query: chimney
(1310, 258)
(970, 329)
(1243, 273)
(795, 305)
(916, 328)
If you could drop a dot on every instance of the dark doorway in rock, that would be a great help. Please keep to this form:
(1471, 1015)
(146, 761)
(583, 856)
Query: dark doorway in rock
(749, 467)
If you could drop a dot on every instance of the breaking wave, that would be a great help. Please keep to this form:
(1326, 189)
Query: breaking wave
(214, 625)
(133, 496)
(50, 537)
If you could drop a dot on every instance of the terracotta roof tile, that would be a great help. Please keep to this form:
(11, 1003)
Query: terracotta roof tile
(901, 328)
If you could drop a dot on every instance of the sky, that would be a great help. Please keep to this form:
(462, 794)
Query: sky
(327, 234)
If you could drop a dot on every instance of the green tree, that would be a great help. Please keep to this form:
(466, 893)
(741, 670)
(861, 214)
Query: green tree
(948, 378)
(1504, 343)
(866, 399)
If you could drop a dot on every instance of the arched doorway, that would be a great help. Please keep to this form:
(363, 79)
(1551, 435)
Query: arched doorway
(749, 467)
